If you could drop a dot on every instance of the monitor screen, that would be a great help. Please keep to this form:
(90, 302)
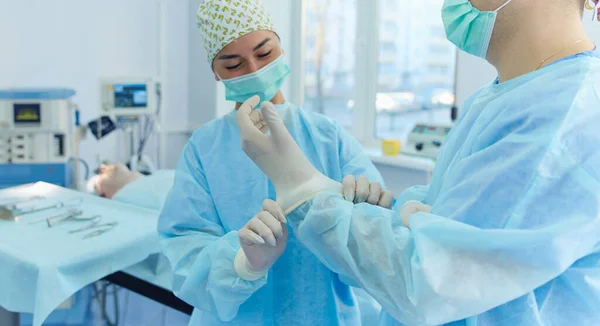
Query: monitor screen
(27, 113)
(130, 95)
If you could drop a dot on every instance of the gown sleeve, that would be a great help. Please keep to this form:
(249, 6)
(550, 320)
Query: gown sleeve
(503, 228)
(201, 253)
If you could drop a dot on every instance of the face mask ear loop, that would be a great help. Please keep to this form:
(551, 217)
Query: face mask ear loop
(504, 5)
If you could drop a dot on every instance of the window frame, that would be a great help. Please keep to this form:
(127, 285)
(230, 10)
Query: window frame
(365, 71)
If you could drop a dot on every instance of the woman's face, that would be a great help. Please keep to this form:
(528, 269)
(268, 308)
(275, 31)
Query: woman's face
(246, 55)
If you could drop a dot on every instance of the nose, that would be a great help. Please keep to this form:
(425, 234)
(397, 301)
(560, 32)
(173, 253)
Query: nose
(252, 66)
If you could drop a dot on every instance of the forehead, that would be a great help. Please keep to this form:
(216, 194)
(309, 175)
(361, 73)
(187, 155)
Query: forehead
(247, 43)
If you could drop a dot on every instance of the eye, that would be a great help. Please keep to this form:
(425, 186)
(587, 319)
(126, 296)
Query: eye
(233, 67)
(264, 55)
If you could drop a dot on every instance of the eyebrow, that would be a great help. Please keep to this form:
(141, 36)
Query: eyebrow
(260, 45)
(233, 56)
(229, 56)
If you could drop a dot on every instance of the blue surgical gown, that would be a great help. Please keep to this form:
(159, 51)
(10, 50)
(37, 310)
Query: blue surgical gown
(513, 237)
(217, 190)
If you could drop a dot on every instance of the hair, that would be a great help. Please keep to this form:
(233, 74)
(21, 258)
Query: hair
(580, 4)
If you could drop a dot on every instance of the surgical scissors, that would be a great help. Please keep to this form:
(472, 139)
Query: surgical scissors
(73, 217)
(105, 228)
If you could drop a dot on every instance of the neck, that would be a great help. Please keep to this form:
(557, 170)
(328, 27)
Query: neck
(278, 99)
(543, 40)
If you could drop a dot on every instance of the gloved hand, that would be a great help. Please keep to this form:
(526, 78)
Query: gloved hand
(412, 207)
(359, 190)
(263, 240)
(280, 158)
(259, 122)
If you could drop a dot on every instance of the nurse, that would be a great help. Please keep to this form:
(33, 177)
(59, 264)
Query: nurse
(217, 191)
(507, 233)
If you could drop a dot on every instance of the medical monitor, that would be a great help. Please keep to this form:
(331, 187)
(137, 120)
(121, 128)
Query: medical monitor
(130, 96)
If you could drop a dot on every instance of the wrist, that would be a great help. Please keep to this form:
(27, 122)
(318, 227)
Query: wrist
(244, 270)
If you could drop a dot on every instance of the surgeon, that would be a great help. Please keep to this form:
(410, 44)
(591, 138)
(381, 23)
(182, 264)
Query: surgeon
(218, 191)
(508, 231)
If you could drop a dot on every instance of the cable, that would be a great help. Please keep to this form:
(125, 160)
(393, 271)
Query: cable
(85, 165)
(100, 296)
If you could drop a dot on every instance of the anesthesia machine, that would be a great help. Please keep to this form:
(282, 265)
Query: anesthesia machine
(37, 136)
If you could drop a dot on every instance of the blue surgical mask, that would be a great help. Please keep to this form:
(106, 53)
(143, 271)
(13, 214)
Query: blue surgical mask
(265, 82)
(469, 28)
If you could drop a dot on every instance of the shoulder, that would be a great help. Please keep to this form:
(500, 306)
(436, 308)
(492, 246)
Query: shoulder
(209, 129)
(319, 122)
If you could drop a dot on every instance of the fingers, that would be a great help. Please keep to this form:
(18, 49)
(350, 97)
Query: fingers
(245, 114)
(272, 223)
(374, 193)
(248, 238)
(349, 188)
(271, 117)
(274, 209)
(386, 200)
(258, 120)
(412, 207)
(249, 105)
(259, 227)
(359, 190)
(362, 189)
(264, 129)
(256, 116)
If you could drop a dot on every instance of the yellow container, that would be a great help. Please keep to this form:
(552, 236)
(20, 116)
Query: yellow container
(390, 147)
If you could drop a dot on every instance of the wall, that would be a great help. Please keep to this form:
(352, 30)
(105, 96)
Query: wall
(70, 43)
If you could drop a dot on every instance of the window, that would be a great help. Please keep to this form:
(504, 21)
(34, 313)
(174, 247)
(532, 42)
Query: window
(330, 59)
(390, 82)
(418, 87)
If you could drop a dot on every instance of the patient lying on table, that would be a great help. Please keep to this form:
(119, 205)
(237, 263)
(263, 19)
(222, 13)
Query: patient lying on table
(117, 182)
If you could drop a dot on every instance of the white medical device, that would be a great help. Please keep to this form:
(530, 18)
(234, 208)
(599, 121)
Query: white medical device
(134, 103)
(425, 140)
(36, 125)
(129, 96)
(36, 136)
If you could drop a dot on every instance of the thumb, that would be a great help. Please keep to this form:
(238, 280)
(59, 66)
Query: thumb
(271, 117)
(243, 116)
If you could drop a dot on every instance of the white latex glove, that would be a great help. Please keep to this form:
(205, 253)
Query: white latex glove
(359, 190)
(280, 158)
(263, 240)
(412, 207)
(258, 121)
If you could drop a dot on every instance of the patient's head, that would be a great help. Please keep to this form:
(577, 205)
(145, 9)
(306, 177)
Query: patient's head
(111, 178)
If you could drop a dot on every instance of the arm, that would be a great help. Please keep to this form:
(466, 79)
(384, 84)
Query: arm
(200, 252)
(442, 269)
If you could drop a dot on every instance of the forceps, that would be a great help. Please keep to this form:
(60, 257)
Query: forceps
(94, 225)
(18, 213)
(70, 213)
